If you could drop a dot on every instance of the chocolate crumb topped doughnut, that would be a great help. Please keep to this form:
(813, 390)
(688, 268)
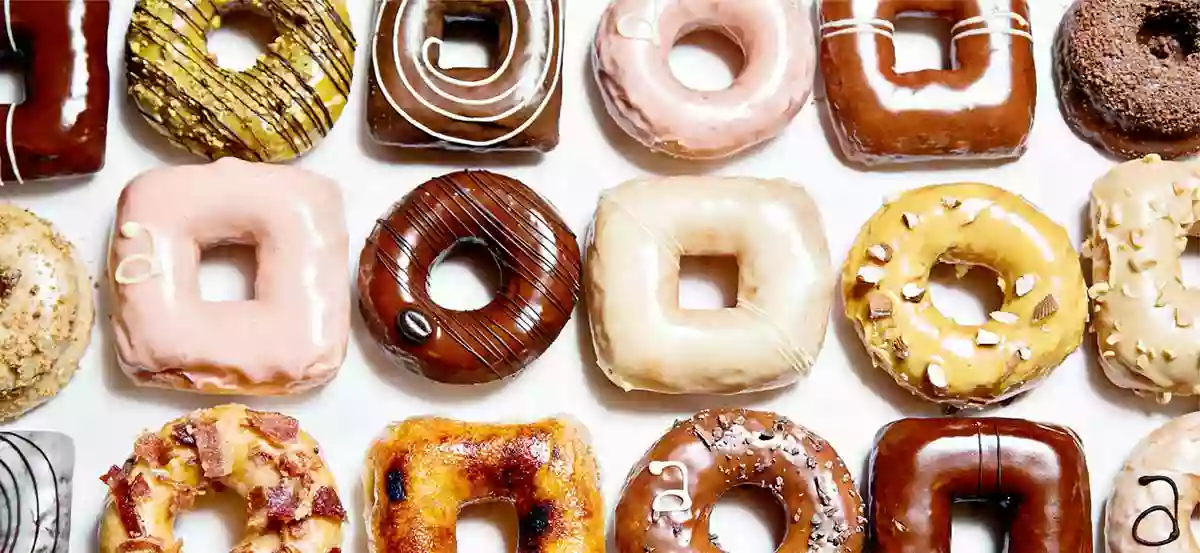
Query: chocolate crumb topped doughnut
(669, 495)
(276, 110)
(1129, 75)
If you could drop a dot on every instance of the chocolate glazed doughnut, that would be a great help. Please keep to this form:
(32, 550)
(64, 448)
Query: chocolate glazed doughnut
(60, 130)
(539, 266)
(670, 493)
(920, 467)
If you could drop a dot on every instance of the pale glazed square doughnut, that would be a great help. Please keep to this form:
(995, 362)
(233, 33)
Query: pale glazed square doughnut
(645, 340)
(289, 338)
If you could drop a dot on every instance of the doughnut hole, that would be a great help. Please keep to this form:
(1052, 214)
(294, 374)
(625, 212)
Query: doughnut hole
(747, 519)
(12, 80)
(227, 273)
(708, 282)
(965, 294)
(465, 277)
(706, 60)
(1171, 35)
(487, 527)
(977, 526)
(244, 34)
(469, 42)
(922, 42)
(217, 520)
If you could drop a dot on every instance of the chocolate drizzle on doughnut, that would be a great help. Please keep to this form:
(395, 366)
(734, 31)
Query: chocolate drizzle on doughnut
(1174, 516)
(540, 277)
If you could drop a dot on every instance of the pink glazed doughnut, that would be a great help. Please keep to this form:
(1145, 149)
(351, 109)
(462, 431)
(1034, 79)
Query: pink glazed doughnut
(289, 338)
(641, 94)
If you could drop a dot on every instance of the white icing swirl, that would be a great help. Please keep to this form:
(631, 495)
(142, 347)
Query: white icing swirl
(685, 500)
(129, 231)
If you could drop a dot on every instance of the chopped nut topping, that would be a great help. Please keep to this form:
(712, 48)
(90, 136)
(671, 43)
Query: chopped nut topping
(880, 252)
(986, 338)
(871, 275)
(1004, 317)
(1182, 320)
(879, 306)
(950, 202)
(936, 376)
(912, 292)
(1025, 284)
(910, 220)
(1099, 289)
(1024, 353)
(1048, 306)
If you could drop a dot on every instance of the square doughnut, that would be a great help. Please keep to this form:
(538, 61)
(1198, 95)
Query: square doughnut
(290, 337)
(513, 104)
(61, 47)
(980, 108)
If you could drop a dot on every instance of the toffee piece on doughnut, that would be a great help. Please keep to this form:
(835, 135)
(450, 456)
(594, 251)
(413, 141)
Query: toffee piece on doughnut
(1036, 472)
(278, 109)
(535, 251)
(980, 108)
(886, 279)
(61, 127)
(671, 491)
(37, 487)
(292, 501)
(1156, 492)
(423, 470)
(1128, 75)
(512, 104)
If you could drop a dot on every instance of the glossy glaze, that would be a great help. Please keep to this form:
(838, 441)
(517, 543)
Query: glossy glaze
(536, 254)
(1156, 492)
(1035, 472)
(981, 108)
(290, 337)
(38, 476)
(630, 59)
(513, 104)
(291, 498)
(276, 110)
(61, 48)
(424, 470)
(886, 276)
(715, 451)
(643, 338)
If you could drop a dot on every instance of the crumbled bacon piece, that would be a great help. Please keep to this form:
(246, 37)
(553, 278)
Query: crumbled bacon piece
(151, 449)
(117, 479)
(277, 427)
(327, 504)
(262, 457)
(182, 433)
(299, 465)
(139, 489)
(280, 502)
(208, 443)
(141, 544)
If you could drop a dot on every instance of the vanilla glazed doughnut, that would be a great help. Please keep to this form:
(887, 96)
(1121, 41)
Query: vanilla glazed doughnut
(1142, 213)
(645, 341)
(1156, 492)
(423, 471)
(46, 311)
(290, 337)
(274, 111)
(292, 502)
(886, 276)
(645, 99)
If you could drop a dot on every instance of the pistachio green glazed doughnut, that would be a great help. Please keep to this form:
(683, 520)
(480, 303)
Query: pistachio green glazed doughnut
(276, 110)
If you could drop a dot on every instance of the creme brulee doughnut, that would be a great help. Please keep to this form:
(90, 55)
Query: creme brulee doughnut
(274, 111)
(647, 101)
(291, 498)
(1156, 492)
(289, 338)
(645, 341)
(886, 276)
(1142, 213)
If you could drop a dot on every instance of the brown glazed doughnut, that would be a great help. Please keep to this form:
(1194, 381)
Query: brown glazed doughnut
(60, 129)
(982, 108)
(1036, 472)
(539, 264)
(513, 104)
(670, 493)
(1128, 75)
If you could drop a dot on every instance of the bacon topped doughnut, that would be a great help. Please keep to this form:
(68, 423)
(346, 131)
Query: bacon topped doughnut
(980, 108)
(292, 502)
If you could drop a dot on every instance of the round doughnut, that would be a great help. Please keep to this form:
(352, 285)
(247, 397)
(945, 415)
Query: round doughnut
(276, 110)
(886, 276)
(424, 470)
(641, 94)
(1142, 213)
(46, 311)
(292, 502)
(1156, 492)
(671, 492)
(535, 251)
(1128, 75)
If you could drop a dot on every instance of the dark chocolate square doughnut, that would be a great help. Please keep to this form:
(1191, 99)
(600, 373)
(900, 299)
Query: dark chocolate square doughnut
(513, 104)
(60, 130)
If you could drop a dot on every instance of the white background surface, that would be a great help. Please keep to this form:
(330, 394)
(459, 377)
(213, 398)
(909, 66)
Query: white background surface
(845, 400)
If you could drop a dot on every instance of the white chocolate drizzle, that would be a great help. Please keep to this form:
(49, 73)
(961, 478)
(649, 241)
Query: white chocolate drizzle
(639, 27)
(8, 123)
(987, 29)
(129, 231)
(881, 27)
(685, 500)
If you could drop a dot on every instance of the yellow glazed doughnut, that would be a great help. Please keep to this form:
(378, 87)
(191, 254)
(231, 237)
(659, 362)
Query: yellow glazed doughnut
(292, 503)
(887, 273)
(1141, 215)
(276, 110)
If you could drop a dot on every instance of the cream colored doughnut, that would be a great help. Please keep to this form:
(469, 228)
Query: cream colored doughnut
(645, 341)
(886, 276)
(46, 311)
(1146, 320)
(1151, 505)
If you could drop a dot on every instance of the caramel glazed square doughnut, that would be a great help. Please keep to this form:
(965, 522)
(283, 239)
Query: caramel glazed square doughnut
(513, 104)
(289, 338)
(645, 341)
